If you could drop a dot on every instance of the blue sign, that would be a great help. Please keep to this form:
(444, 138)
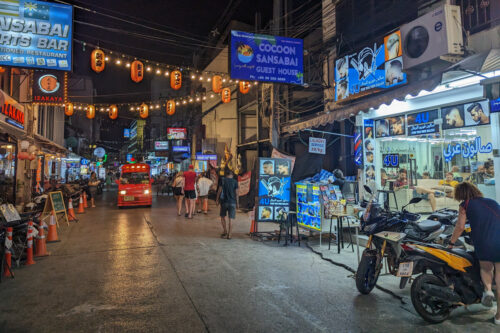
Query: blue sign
(209, 157)
(377, 66)
(126, 133)
(36, 34)
(84, 161)
(181, 149)
(390, 160)
(274, 189)
(268, 58)
(422, 123)
(468, 150)
(129, 158)
(495, 105)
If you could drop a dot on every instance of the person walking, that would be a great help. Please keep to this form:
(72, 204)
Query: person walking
(483, 215)
(190, 191)
(203, 186)
(93, 183)
(228, 199)
(178, 186)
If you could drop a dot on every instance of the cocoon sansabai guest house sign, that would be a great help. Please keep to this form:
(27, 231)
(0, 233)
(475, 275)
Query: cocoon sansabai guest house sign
(49, 87)
(36, 34)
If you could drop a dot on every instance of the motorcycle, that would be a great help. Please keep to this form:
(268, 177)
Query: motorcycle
(387, 231)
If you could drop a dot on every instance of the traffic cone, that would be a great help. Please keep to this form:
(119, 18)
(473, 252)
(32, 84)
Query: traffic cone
(41, 244)
(85, 200)
(8, 254)
(80, 205)
(253, 226)
(52, 236)
(29, 248)
(71, 211)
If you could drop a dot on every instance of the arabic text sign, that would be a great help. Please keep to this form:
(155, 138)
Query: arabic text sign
(36, 34)
(468, 149)
(180, 149)
(423, 123)
(206, 157)
(268, 58)
(377, 66)
(317, 145)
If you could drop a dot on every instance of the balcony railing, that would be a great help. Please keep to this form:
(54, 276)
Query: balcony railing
(478, 15)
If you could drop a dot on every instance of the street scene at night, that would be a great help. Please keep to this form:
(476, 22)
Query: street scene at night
(258, 166)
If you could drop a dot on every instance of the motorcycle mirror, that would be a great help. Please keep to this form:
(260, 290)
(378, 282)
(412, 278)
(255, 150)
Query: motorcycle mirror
(367, 189)
(414, 200)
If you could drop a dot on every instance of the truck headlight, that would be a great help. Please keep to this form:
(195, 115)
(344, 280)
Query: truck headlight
(123, 192)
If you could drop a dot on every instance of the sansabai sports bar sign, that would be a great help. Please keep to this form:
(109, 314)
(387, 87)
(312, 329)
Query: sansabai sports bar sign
(257, 57)
(36, 34)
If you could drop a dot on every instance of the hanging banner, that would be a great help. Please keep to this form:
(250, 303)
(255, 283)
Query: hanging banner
(268, 58)
(244, 183)
(49, 87)
(36, 34)
(274, 189)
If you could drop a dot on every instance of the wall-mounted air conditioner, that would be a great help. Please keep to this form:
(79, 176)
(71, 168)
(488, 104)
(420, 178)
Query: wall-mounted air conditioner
(436, 34)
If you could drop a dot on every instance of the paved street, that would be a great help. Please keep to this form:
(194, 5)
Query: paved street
(147, 270)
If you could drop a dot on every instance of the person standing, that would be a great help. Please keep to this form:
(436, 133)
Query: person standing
(93, 183)
(228, 199)
(203, 184)
(178, 189)
(190, 191)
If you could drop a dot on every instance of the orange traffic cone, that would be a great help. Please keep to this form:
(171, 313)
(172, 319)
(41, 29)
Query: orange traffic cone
(52, 236)
(85, 200)
(41, 244)
(8, 254)
(29, 248)
(71, 211)
(253, 226)
(80, 205)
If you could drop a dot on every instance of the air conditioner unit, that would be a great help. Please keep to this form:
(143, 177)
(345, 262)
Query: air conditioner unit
(433, 35)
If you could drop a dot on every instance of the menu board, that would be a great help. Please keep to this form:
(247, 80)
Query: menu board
(309, 206)
(274, 189)
(422, 122)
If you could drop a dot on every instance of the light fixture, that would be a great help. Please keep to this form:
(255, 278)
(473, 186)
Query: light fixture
(177, 103)
(157, 106)
(123, 192)
(106, 58)
(209, 79)
(118, 61)
(158, 71)
(193, 76)
(190, 100)
(197, 99)
(102, 109)
(146, 191)
(184, 102)
(167, 73)
(223, 80)
(212, 96)
(128, 64)
(148, 69)
(131, 108)
(204, 97)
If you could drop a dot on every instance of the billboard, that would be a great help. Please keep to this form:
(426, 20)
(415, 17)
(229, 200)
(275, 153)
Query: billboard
(268, 58)
(176, 133)
(274, 189)
(161, 145)
(11, 111)
(376, 67)
(181, 149)
(36, 34)
(126, 132)
(49, 87)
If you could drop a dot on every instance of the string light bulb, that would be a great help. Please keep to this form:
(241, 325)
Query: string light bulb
(209, 79)
(148, 69)
(197, 99)
(177, 103)
(106, 58)
(118, 61)
(201, 78)
(193, 76)
(184, 102)
(167, 73)
(224, 80)
(158, 71)
(128, 65)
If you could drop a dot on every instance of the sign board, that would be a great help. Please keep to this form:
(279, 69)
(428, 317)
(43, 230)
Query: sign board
(390, 160)
(126, 132)
(495, 105)
(274, 189)
(376, 67)
(256, 57)
(423, 122)
(55, 205)
(174, 133)
(11, 111)
(49, 87)
(133, 132)
(36, 34)
(99, 152)
(206, 157)
(244, 183)
(317, 145)
(390, 126)
(161, 145)
(467, 149)
(469, 114)
(308, 206)
(277, 154)
(9, 213)
(129, 158)
(181, 149)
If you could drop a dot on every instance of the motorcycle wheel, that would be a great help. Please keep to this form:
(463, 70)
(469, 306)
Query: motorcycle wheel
(432, 310)
(366, 275)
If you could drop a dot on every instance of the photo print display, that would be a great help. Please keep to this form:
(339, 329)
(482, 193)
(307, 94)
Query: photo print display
(453, 117)
(274, 189)
(477, 113)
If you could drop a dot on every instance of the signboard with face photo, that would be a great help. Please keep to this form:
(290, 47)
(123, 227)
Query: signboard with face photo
(274, 189)
(382, 128)
(477, 113)
(397, 125)
(453, 117)
(422, 123)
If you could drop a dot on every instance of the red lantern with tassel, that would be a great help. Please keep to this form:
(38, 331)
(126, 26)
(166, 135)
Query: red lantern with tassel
(68, 109)
(244, 87)
(144, 111)
(217, 84)
(90, 112)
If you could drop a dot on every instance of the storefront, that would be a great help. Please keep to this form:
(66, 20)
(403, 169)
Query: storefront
(438, 138)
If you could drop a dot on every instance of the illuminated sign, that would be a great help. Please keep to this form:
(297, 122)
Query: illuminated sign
(11, 111)
(174, 133)
(376, 67)
(256, 57)
(36, 34)
(84, 161)
(161, 145)
(468, 149)
(423, 123)
(390, 160)
(181, 149)
(126, 132)
(204, 157)
(49, 87)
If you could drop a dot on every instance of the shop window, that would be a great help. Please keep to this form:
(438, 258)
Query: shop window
(478, 15)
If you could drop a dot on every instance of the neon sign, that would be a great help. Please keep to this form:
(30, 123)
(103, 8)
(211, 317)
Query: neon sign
(467, 150)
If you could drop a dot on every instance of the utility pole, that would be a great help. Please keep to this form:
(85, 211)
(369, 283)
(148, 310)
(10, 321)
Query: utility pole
(277, 14)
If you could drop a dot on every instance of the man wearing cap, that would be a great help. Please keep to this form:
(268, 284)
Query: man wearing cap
(189, 191)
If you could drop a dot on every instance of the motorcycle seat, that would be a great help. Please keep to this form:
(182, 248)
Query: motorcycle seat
(462, 253)
(428, 225)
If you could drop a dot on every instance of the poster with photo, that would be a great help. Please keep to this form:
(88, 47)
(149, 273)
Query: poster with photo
(397, 125)
(392, 45)
(453, 117)
(370, 172)
(382, 128)
(308, 206)
(341, 78)
(477, 113)
(274, 189)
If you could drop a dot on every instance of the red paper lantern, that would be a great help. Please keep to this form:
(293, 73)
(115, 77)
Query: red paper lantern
(90, 112)
(137, 71)
(170, 107)
(244, 87)
(217, 84)
(68, 109)
(97, 61)
(113, 112)
(176, 80)
(144, 111)
(226, 95)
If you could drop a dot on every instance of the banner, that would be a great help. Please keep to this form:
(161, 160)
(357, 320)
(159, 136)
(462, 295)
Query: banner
(274, 189)
(36, 34)
(244, 183)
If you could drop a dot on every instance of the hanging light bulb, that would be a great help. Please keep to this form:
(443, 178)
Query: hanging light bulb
(138, 108)
(209, 79)
(157, 106)
(131, 108)
(211, 95)
(158, 71)
(237, 81)
(148, 69)
(190, 100)
(204, 97)
(193, 76)
(224, 80)
(118, 62)
(128, 65)
(102, 109)
(197, 99)
(184, 102)
(177, 103)
(106, 58)
(167, 73)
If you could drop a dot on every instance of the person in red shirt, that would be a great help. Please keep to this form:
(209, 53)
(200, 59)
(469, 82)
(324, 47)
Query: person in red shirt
(189, 191)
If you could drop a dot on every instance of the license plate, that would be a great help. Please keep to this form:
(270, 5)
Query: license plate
(405, 269)
(128, 198)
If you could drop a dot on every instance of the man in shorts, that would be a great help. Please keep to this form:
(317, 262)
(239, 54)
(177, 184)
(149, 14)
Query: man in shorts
(228, 199)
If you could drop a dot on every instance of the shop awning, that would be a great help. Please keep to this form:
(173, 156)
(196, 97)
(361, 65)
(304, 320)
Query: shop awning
(50, 145)
(341, 112)
(475, 64)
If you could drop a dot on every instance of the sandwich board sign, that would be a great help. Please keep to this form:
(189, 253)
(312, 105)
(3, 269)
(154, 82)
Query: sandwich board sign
(55, 204)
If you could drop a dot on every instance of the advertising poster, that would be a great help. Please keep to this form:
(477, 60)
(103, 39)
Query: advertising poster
(422, 123)
(174, 133)
(274, 189)
(277, 154)
(49, 87)
(36, 34)
(268, 58)
(244, 183)
(477, 113)
(453, 117)
(369, 148)
(308, 206)
(376, 67)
